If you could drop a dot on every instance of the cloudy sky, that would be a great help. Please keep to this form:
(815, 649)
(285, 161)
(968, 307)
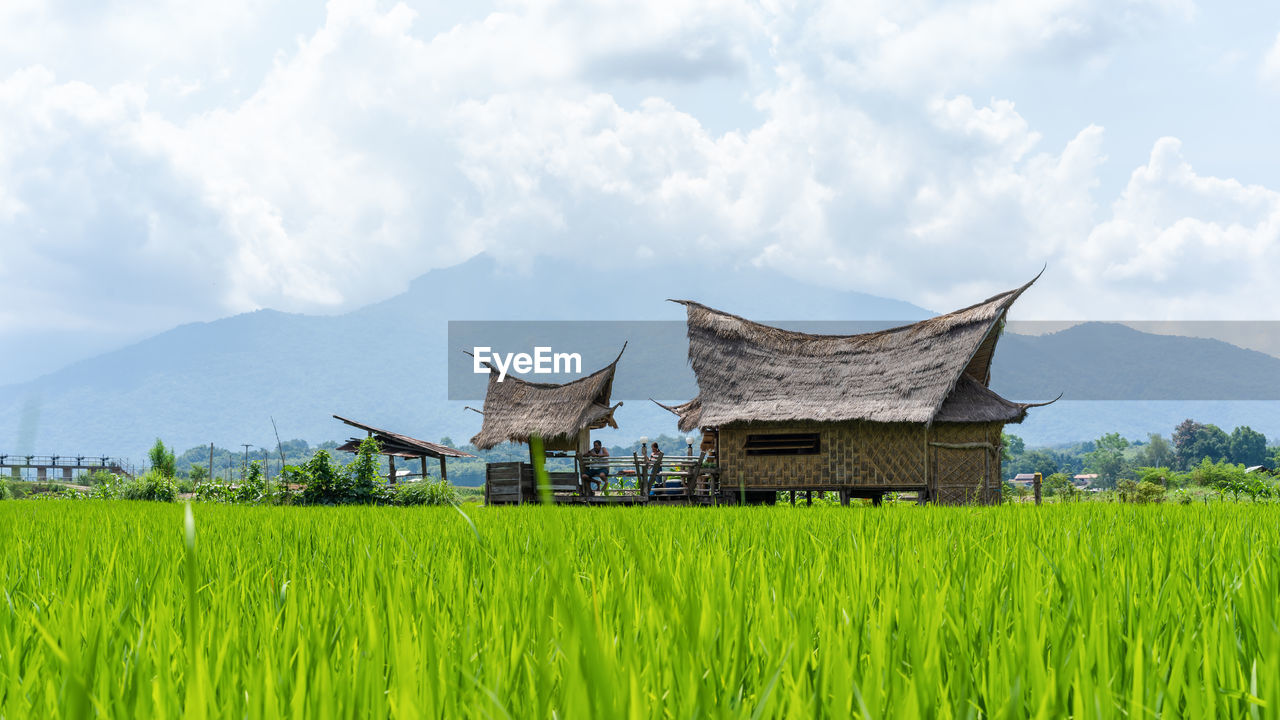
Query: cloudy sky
(173, 160)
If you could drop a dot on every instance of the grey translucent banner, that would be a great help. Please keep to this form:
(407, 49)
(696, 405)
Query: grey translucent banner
(1035, 360)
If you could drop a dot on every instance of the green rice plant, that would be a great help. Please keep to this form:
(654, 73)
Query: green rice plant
(1085, 610)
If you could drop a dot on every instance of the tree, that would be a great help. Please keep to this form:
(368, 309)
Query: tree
(1192, 442)
(1107, 460)
(1247, 446)
(1058, 484)
(1011, 446)
(1158, 452)
(1037, 461)
(199, 473)
(1183, 438)
(162, 459)
(1161, 476)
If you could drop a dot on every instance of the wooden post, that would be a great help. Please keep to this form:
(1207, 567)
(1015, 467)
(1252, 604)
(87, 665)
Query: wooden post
(808, 497)
(691, 481)
(391, 470)
(921, 497)
(1036, 484)
(210, 474)
(641, 478)
(844, 497)
(793, 497)
(444, 475)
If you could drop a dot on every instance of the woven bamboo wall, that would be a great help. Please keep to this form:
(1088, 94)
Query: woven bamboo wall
(965, 475)
(853, 455)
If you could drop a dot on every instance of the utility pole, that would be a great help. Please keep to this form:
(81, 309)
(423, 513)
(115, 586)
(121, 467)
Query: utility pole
(245, 471)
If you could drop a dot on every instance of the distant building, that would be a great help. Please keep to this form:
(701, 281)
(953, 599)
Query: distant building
(1025, 480)
(1084, 481)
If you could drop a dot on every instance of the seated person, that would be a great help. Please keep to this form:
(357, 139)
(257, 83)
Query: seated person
(654, 461)
(600, 473)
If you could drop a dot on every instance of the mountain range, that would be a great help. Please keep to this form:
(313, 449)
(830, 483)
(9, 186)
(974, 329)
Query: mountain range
(387, 364)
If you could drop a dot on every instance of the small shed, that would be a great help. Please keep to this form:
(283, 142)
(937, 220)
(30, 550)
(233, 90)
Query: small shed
(904, 409)
(395, 445)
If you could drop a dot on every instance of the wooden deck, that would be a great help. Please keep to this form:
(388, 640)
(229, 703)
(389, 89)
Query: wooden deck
(628, 481)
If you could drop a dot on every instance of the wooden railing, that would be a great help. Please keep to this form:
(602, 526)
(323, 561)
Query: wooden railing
(654, 480)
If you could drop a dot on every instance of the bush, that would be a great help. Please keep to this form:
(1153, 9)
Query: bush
(425, 493)
(162, 459)
(254, 487)
(1149, 492)
(5, 492)
(325, 484)
(97, 477)
(151, 486)
(214, 492)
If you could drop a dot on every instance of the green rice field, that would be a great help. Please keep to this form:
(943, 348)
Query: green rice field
(1088, 610)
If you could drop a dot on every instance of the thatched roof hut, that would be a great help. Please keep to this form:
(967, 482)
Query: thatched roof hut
(516, 409)
(935, 370)
(904, 408)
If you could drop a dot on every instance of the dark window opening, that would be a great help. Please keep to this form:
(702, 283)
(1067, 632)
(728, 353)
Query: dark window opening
(784, 444)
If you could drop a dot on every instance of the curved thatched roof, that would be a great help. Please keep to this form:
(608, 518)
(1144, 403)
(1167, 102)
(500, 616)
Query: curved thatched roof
(516, 409)
(747, 371)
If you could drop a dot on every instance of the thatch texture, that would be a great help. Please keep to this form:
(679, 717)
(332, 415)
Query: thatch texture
(973, 402)
(400, 445)
(515, 409)
(749, 372)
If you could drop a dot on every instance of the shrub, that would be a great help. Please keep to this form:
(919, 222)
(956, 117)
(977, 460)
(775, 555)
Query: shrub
(162, 459)
(1158, 476)
(98, 477)
(214, 492)
(425, 493)
(1149, 492)
(151, 486)
(254, 487)
(363, 472)
(5, 492)
(323, 484)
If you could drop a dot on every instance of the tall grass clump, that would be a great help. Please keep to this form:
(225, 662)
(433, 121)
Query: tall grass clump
(1084, 610)
(426, 493)
(151, 485)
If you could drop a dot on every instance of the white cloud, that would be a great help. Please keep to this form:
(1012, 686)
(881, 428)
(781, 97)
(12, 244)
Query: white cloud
(905, 46)
(371, 135)
(1269, 71)
(1184, 246)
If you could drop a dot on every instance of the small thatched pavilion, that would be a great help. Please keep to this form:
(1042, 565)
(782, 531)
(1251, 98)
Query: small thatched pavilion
(905, 409)
(395, 445)
(563, 415)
